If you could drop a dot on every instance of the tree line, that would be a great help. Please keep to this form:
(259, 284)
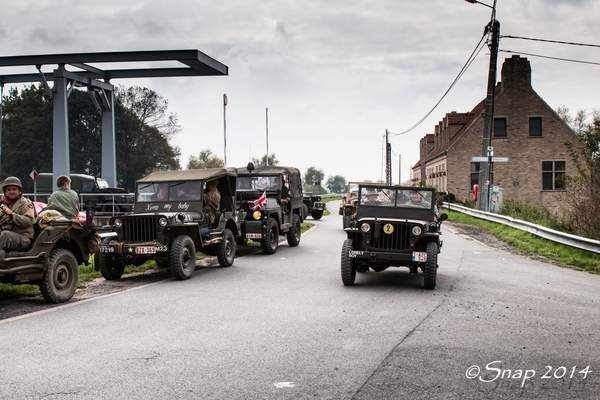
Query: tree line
(143, 129)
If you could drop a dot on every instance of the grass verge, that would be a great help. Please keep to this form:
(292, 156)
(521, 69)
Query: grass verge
(580, 259)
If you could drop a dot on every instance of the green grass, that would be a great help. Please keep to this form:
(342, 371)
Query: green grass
(569, 256)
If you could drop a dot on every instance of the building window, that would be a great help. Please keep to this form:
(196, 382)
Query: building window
(475, 168)
(553, 175)
(499, 127)
(535, 126)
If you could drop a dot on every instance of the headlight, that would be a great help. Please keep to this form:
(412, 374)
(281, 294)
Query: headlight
(416, 230)
(256, 214)
(162, 221)
(365, 227)
(118, 223)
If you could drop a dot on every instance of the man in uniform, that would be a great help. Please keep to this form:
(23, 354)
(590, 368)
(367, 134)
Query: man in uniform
(17, 217)
(64, 200)
(212, 201)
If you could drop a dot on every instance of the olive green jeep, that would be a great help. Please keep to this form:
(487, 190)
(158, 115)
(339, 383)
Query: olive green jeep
(52, 261)
(170, 223)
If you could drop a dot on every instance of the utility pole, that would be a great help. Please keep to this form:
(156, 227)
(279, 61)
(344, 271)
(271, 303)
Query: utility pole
(267, 127)
(388, 159)
(224, 131)
(485, 169)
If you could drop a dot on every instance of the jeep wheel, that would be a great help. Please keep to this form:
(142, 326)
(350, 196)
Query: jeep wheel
(293, 235)
(304, 211)
(60, 279)
(109, 268)
(271, 241)
(226, 249)
(316, 214)
(182, 260)
(348, 267)
(430, 268)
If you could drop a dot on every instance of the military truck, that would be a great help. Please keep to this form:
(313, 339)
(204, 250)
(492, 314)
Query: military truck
(314, 206)
(107, 200)
(52, 262)
(266, 214)
(395, 226)
(170, 230)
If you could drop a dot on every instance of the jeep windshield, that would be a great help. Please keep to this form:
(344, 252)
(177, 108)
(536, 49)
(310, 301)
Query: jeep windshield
(396, 197)
(260, 183)
(169, 191)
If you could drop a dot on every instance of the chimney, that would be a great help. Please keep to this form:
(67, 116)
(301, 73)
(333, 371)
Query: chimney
(516, 73)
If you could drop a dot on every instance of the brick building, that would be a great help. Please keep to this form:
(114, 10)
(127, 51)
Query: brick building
(526, 129)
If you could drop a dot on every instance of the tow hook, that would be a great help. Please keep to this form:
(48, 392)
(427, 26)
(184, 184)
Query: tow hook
(373, 257)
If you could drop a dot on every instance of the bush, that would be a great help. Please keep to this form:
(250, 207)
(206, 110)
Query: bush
(536, 215)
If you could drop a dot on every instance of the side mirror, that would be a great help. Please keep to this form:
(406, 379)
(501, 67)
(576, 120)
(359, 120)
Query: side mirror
(250, 167)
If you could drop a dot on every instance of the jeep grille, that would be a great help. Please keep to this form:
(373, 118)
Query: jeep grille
(398, 240)
(139, 229)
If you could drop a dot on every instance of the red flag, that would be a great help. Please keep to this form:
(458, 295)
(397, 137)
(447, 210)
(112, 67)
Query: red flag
(260, 202)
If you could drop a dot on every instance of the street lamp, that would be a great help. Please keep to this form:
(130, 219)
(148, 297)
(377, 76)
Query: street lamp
(485, 176)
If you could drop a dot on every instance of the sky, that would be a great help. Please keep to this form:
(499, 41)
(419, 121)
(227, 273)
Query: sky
(334, 75)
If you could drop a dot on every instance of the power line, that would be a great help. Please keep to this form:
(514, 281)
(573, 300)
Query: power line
(551, 58)
(550, 41)
(466, 66)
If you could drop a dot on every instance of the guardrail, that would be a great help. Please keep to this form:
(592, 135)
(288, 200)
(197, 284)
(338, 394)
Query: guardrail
(538, 230)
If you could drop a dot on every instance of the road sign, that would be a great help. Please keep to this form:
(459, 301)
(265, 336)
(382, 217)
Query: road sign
(494, 159)
(34, 174)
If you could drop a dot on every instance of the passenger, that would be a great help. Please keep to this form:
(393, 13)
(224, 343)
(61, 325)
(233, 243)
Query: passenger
(17, 217)
(371, 198)
(64, 200)
(212, 201)
(162, 189)
(285, 195)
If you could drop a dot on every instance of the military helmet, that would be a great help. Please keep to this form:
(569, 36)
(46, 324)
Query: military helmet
(12, 181)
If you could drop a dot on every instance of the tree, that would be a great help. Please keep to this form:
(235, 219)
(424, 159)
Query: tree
(312, 180)
(336, 184)
(206, 159)
(263, 161)
(582, 199)
(142, 132)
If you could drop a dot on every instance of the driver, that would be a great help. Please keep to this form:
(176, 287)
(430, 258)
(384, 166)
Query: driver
(371, 198)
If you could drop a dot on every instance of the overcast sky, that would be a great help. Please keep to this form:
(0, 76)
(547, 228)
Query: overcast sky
(333, 74)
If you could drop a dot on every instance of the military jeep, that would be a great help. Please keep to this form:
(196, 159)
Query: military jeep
(314, 206)
(266, 216)
(395, 226)
(52, 262)
(170, 223)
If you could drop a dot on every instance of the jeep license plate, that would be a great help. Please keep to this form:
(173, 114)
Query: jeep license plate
(419, 256)
(145, 250)
(254, 235)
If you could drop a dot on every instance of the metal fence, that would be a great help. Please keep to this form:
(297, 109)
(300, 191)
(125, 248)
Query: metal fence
(541, 231)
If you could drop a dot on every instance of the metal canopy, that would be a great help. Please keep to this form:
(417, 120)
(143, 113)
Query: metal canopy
(195, 63)
(198, 64)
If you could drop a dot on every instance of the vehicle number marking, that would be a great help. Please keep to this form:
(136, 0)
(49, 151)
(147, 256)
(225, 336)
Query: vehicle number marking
(107, 249)
(354, 253)
(419, 256)
(388, 229)
(254, 235)
(145, 250)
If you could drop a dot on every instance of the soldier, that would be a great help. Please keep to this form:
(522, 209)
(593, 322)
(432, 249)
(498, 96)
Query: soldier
(17, 217)
(64, 200)
(212, 201)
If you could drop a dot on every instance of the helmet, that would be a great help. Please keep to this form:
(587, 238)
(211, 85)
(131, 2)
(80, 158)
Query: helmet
(12, 181)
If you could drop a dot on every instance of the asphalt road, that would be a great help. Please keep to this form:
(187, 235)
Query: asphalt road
(283, 326)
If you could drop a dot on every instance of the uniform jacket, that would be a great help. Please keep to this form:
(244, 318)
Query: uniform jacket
(22, 219)
(65, 201)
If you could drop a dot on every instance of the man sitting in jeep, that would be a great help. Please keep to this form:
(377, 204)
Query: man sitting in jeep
(17, 217)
